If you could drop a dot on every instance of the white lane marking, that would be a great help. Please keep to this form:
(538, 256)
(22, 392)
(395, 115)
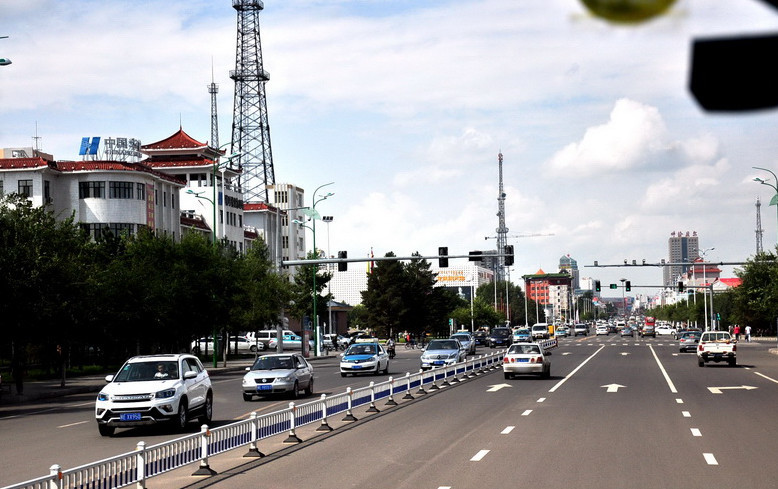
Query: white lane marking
(696, 432)
(613, 387)
(717, 390)
(526, 413)
(507, 430)
(479, 456)
(497, 387)
(686, 414)
(766, 377)
(559, 384)
(565, 353)
(664, 372)
(710, 459)
(679, 401)
(444, 487)
(72, 424)
(541, 399)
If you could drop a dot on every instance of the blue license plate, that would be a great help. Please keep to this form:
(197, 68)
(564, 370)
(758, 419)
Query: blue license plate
(522, 359)
(130, 417)
(438, 362)
(265, 387)
(356, 367)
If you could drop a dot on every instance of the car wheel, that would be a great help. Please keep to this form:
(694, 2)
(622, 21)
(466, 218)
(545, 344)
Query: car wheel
(296, 390)
(253, 348)
(105, 430)
(343, 374)
(386, 370)
(309, 389)
(547, 373)
(207, 415)
(700, 363)
(732, 363)
(508, 376)
(196, 350)
(181, 417)
(247, 397)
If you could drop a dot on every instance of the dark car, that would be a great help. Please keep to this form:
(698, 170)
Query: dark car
(500, 337)
(481, 338)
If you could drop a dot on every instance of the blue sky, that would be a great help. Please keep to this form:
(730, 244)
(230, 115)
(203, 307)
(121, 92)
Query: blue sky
(405, 106)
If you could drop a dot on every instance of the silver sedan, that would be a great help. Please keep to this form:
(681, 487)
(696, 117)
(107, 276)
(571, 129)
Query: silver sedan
(278, 373)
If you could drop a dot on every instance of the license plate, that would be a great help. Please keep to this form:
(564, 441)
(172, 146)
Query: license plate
(265, 387)
(438, 362)
(523, 360)
(356, 367)
(130, 417)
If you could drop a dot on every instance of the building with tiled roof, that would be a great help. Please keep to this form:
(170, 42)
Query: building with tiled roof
(553, 291)
(120, 196)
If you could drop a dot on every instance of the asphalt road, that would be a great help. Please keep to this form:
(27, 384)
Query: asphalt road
(621, 413)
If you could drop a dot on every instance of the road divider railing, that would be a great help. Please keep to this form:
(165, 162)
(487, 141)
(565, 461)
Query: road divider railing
(145, 462)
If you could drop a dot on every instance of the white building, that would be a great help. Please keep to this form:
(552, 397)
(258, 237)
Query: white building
(117, 195)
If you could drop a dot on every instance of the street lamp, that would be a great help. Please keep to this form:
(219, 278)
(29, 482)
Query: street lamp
(703, 252)
(314, 215)
(623, 297)
(774, 200)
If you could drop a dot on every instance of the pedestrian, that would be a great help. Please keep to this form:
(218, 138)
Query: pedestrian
(17, 371)
(736, 330)
(748, 333)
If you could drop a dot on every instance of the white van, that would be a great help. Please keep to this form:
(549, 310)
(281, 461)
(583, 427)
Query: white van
(266, 335)
(540, 331)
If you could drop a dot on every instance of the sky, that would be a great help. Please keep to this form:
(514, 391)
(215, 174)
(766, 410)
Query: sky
(405, 106)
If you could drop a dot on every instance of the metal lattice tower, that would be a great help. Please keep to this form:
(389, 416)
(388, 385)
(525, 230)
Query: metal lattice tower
(213, 89)
(759, 230)
(502, 231)
(250, 127)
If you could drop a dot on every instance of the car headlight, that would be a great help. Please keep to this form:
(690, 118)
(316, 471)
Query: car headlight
(165, 394)
(103, 396)
(288, 378)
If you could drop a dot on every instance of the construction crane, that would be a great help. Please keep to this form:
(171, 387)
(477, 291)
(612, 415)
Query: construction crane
(4, 61)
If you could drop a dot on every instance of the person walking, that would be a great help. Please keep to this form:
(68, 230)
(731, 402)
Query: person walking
(736, 330)
(748, 333)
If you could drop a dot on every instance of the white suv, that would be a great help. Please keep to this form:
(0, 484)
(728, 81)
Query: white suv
(153, 389)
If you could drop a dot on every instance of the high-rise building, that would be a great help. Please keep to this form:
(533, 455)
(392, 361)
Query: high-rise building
(570, 265)
(681, 247)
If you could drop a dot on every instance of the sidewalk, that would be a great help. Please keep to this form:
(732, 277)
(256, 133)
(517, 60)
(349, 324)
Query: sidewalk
(47, 389)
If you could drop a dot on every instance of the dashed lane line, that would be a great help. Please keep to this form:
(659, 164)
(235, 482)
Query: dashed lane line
(710, 459)
(479, 456)
(696, 432)
(507, 430)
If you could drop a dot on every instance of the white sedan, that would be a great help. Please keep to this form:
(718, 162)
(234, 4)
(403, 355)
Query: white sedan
(526, 358)
(602, 329)
(664, 330)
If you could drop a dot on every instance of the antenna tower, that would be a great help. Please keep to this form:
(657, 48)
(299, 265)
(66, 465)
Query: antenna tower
(250, 127)
(213, 89)
(759, 230)
(502, 231)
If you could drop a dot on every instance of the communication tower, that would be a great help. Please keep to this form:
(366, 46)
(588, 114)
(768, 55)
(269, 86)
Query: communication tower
(759, 230)
(250, 127)
(502, 231)
(213, 89)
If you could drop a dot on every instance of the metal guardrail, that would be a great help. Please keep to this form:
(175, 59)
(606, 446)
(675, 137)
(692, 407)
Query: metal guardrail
(150, 461)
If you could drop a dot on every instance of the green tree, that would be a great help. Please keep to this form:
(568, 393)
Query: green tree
(384, 298)
(755, 301)
(302, 291)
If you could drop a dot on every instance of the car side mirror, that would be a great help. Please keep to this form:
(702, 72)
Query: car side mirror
(190, 374)
(109, 378)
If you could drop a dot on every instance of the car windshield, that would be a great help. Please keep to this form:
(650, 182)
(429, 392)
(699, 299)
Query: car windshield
(461, 337)
(443, 345)
(501, 332)
(692, 336)
(522, 331)
(145, 371)
(524, 349)
(270, 362)
(361, 350)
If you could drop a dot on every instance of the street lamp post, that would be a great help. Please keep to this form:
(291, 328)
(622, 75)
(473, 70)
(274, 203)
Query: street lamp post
(774, 200)
(623, 298)
(705, 290)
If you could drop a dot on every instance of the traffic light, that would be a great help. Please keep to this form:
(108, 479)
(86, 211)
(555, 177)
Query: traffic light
(628, 286)
(476, 255)
(680, 286)
(442, 259)
(342, 265)
(597, 287)
(508, 255)
(614, 286)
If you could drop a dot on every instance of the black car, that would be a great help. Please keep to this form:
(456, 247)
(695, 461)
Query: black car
(481, 338)
(500, 337)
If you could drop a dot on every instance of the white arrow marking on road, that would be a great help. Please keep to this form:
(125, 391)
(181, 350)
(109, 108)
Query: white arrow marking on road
(613, 387)
(565, 353)
(496, 387)
(624, 354)
(717, 390)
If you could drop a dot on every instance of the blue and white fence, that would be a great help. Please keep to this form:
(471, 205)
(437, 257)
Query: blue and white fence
(150, 461)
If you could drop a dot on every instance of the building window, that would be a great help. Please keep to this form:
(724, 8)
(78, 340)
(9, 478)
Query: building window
(285, 241)
(47, 191)
(94, 190)
(198, 180)
(164, 199)
(120, 190)
(173, 200)
(25, 188)
(140, 191)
